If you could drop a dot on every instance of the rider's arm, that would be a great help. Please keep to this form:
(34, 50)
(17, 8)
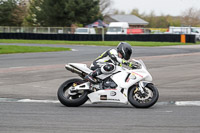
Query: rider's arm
(130, 64)
(114, 56)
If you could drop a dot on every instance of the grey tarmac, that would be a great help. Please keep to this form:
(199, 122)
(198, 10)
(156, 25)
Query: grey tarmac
(175, 71)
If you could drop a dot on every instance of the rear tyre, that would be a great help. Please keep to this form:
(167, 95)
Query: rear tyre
(146, 100)
(71, 100)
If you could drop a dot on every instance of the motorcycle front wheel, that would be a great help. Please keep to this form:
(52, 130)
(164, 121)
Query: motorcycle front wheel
(74, 100)
(145, 100)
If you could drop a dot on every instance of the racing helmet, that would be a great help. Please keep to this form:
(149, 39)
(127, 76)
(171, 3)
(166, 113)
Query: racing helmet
(125, 50)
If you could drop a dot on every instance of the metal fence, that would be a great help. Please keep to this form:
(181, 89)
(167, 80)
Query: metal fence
(49, 30)
(45, 30)
(69, 30)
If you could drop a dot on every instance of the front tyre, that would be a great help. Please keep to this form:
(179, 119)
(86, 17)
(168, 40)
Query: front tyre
(74, 100)
(146, 100)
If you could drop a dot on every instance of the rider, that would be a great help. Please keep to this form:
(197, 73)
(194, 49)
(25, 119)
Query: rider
(106, 62)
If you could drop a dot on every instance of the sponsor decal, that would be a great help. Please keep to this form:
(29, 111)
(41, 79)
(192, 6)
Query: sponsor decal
(109, 89)
(128, 80)
(133, 73)
(113, 93)
(103, 97)
(114, 99)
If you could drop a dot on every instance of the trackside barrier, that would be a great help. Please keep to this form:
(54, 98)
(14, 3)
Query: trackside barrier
(98, 37)
(183, 39)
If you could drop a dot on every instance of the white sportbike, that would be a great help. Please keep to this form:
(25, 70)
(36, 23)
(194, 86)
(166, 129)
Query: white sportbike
(122, 86)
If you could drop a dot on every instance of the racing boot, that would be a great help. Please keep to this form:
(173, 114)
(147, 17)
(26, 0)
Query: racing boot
(91, 77)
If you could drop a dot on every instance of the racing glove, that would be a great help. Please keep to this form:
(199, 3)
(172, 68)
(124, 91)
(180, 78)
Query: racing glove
(132, 65)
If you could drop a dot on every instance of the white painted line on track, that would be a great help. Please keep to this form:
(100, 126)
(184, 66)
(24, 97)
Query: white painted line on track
(177, 103)
(187, 103)
(37, 101)
(27, 100)
(74, 50)
(16, 67)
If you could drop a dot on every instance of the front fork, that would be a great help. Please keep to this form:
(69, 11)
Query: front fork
(142, 85)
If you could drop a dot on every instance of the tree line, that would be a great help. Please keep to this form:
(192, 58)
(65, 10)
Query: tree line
(64, 13)
(190, 17)
(49, 12)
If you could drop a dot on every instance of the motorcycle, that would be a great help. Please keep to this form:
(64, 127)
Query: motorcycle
(124, 85)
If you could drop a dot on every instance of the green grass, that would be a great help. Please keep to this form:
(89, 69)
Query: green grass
(98, 43)
(10, 49)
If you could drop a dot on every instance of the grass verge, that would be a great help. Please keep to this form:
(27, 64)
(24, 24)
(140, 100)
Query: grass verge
(98, 43)
(11, 49)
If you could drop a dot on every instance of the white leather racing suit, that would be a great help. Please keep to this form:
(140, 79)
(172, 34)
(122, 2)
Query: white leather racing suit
(108, 60)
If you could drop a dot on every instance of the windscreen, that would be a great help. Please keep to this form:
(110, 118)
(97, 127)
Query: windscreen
(194, 30)
(114, 29)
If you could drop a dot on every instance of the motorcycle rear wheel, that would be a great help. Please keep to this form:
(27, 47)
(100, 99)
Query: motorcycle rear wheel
(139, 100)
(71, 100)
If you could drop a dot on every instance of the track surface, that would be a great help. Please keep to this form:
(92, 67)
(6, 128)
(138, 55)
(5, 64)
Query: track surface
(175, 71)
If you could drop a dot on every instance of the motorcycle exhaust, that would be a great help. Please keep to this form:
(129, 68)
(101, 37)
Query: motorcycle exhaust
(73, 70)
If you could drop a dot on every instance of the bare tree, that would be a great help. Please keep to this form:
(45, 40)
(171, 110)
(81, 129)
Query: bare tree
(191, 17)
(20, 12)
(115, 11)
(105, 6)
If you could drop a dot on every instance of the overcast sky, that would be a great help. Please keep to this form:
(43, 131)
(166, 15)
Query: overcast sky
(166, 7)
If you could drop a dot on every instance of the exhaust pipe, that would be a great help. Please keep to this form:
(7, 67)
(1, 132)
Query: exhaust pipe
(73, 70)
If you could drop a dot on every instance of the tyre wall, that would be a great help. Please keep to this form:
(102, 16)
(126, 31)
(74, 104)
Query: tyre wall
(98, 37)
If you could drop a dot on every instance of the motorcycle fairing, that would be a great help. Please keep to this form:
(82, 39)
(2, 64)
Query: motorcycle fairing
(122, 77)
(108, 95)
(81, 67)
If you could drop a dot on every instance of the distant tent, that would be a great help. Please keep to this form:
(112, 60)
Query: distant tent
(99, 24)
